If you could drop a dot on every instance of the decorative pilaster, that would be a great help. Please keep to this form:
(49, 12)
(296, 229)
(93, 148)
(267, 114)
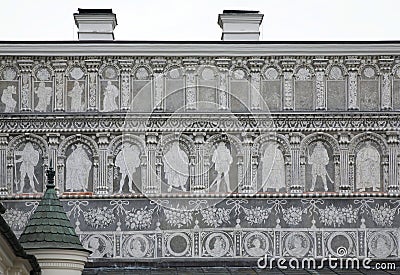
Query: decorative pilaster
(320, 89)
(126, 66)
(151, 186)
(246, 183)
(53, 140)
(386, 83)
(59, 68)
(393, 143)
(344, 140)
(199, 182)
(297, 182)
(158, 83)
(223, 83)
(191, 83)
(352, 67)
(3, 164)
(288, 66)
(102, 141)
(93, 90)
(26, 84)
(255, 73)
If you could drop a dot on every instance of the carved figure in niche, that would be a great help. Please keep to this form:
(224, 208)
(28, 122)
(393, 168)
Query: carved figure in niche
(319, 159)
(273, 168)
(110, 94)
(368, 168)
(136, 248)
(78, 167)
(223, 160)
(94, 244)
(29, 158)
(256, 249)
(176, 167)
(296, 247)
(76, 97)
(8, 100)
(44, 95)
(127, 161)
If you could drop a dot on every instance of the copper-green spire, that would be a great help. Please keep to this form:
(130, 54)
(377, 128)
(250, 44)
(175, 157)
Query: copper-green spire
(49, 226)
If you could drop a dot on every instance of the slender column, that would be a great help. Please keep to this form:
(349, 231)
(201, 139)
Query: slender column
(4, 190)
(190, 83)
(352, 67)
(158, 83)
(344, 140)
(93, 90)
(386, 83)
(255, 72)
(288, 65)
(53, 140)
(199, 182)
(246, 183)
(26, 85)
(102, 141)
(297, 182)
(59, 66)
(223, 83)
(393, 143)
(126, 66)
(151, 185)
(320, 89)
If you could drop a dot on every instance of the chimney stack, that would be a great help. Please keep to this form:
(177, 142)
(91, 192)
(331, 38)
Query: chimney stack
(95, 24)
(240, 25)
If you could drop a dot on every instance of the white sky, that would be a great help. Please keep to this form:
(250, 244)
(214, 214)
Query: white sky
(197, 19)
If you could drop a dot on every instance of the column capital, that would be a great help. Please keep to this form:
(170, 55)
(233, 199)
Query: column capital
(93, 65)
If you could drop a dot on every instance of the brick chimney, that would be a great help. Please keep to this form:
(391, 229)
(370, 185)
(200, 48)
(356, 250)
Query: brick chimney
(240, 25)
(95, 24)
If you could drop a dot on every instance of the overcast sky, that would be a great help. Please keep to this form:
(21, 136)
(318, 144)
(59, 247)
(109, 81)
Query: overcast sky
(197, 19)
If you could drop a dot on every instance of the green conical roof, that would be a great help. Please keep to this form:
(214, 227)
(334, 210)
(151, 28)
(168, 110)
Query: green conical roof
(49, 226)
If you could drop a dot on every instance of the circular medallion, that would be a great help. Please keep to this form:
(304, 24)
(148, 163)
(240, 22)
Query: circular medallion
(76, 73)
(369, 72)
(137, 246)
(297, 244)
(141, 73)
(256, 244)
(110, 73)
(335, 73)
(99, 244)
(381, 244)
(217, 244)
(303, 74)
(9, 74)
(178, 244)
(43, 74)
(174, 73)
(340, 244)
(239, 74)
(271, 74)
(207, 74)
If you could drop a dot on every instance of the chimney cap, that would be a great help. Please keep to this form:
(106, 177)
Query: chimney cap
(239, 11)
(97, 11)
(240, 25)
(95, 24)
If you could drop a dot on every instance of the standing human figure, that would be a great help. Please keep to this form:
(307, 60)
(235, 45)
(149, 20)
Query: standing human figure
(76, 97)
(44, 95)
(78, 166)
(8, 100)
(368, 168)
(319, 159)
(223, 160)
(176, 167)
(273, 168)
(29, 158)
(110, 95)
(127, 161)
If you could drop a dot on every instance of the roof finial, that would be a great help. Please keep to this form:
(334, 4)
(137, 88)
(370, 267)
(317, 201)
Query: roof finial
(50, 176)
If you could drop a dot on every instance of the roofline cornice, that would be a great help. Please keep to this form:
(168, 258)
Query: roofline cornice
(159, 48)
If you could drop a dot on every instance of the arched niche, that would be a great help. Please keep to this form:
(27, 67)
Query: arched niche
(27, 159)
(271, 163)
(369, 162)
(129, 168)
(10, 96)
(236, 169)
(76, 98)
(175, 163)
(43, 88)
(78, 162)
(319, 163)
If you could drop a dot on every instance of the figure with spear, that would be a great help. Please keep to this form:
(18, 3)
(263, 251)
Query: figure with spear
(29, 158)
